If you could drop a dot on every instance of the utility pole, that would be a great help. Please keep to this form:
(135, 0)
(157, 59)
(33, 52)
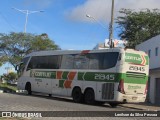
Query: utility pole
(111, 26)
(27, 12)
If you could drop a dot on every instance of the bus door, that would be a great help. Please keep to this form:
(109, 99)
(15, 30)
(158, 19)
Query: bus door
(46, 85)
(55, 87)
(41, 81)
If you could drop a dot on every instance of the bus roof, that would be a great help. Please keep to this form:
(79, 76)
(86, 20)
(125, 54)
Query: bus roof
(62, 52)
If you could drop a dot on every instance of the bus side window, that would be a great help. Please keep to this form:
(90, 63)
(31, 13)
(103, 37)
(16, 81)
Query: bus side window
(93, 61)
(53, 62)
(81, 62)
(29, 67)
(67, 62)
(110, 60)
(31, 64)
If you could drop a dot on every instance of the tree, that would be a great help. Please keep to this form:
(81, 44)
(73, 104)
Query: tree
(10, 76)
(137, 27)
(15, 46)
(42, 42)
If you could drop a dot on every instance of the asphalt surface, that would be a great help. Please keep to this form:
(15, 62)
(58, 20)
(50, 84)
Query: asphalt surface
(37, 102)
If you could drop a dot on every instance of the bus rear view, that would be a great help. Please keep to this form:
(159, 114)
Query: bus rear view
(134, 76)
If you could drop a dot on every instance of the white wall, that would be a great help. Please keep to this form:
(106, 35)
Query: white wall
(151, 44)
(152, 90)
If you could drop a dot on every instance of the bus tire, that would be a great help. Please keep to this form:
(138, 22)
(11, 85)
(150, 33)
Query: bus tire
(89, 97)
(113, 105)
(77, 95)
(28, 88)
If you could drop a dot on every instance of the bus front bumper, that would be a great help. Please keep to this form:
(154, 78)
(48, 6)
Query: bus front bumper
(131, 98)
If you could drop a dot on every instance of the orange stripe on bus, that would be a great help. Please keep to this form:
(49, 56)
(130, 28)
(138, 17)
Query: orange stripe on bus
(143, 60)
(71, 75)
(59, 75)
(68, 82)
(85, 51)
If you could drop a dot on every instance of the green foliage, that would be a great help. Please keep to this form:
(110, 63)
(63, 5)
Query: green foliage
(10, 76)
(8, 87)
(15, 46)
(43, 43)
(137, 27)
(3, 59)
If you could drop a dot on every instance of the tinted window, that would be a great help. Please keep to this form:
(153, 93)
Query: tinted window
(81, 62)
(102, 60)
(23, 65)
(25, 60)
(110, 60)
(87, 61)
(45, 62)
(90, 61)
(95, 60)
(67, 62)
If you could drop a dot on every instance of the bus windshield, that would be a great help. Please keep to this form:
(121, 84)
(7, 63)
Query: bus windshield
(21, 66)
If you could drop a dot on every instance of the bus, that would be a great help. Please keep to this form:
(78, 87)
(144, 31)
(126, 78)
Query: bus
(111, 76)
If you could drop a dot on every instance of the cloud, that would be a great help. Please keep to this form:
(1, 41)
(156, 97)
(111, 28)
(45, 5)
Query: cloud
(101, 9)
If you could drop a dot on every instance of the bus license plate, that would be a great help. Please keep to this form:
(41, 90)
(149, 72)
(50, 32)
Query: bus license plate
(134, 98)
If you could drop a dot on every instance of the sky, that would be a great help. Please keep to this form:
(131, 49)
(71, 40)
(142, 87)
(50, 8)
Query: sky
(65, 21)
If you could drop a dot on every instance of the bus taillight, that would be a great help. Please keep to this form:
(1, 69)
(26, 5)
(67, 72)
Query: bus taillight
(121, 87)
(146, 89)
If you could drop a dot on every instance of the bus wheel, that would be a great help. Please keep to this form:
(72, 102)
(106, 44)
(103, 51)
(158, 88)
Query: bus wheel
(113, 105)
(28, 88)
(77, 95)
(89, 96)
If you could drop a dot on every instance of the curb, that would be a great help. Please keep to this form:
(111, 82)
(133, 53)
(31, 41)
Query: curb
(132, 107)
(139, 107)
(21, 91)
(1, 91)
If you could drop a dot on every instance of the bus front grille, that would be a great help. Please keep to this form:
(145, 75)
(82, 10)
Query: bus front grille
(108, 91)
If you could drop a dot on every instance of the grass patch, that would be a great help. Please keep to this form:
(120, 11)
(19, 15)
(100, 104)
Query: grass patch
(8, 87)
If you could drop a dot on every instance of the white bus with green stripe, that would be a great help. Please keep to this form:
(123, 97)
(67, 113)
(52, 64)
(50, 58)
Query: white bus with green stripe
(111, 76)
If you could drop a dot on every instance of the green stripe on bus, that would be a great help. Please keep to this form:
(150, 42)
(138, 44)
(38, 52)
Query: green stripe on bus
(94, 76)
(99, 76)
(147, 60)
(108, 77)
(80, 75)
(43, 74)
(53, 74)
(135, 79)
(61, 82)
(65, 75)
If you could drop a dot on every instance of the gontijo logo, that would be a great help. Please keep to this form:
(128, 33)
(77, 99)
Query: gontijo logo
(136, 58)
(41, 74)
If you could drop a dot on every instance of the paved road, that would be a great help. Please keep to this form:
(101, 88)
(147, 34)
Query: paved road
(22, 102)
(36, 102)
